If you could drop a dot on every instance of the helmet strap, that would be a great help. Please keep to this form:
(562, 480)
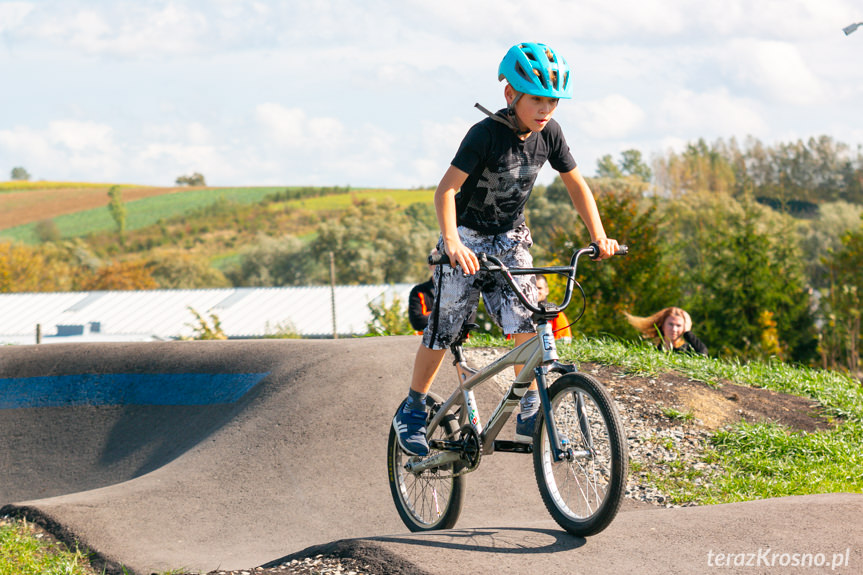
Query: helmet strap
(510, 120)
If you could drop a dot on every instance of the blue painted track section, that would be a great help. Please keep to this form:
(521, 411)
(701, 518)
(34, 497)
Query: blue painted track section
(126, 389)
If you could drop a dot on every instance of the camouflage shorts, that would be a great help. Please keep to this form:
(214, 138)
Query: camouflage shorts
(457, 295)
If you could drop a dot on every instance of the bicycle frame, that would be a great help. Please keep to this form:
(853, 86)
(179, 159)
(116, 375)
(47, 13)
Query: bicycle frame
(535, 355)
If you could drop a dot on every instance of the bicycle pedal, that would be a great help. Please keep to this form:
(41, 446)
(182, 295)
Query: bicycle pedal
(512, 446)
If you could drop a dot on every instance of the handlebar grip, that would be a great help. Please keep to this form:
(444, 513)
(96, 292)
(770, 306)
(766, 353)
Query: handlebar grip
(438, 259)
(622, 250)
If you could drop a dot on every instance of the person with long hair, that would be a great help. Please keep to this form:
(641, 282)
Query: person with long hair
(670, 329)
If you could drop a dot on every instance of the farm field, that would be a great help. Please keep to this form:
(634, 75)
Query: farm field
(80, 209)
(19, 207)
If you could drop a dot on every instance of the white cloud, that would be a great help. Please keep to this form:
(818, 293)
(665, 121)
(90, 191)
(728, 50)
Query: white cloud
(438, 144)
(710, 114)
(193, 157)
(198, 134)
(612, 117)
(12, 14)
(376, 93)
(23, 145)
(84, 150)
(130, 30)
(61, 137)
(777, 68)
(373, 159)
(293, 128)
(86, 137)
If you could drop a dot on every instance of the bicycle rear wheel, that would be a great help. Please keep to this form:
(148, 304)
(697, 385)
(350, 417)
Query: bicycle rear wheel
(583, 493)
(433, 498)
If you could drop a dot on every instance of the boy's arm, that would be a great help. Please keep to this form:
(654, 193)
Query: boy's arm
(444, 201)
(585, 205)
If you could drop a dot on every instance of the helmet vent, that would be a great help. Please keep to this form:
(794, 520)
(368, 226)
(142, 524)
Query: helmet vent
(541, 78)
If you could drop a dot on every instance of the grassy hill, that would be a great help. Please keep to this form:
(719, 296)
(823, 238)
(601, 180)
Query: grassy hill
(216, 224)
(79, 210)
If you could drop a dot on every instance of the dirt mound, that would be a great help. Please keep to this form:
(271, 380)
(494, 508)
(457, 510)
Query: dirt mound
(712, 407)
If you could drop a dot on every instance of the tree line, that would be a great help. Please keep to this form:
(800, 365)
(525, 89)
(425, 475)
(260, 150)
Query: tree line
(793, 176)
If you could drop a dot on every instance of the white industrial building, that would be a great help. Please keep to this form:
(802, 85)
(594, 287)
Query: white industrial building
(155, 315)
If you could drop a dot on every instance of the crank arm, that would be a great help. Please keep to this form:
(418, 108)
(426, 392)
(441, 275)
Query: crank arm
(433, 462)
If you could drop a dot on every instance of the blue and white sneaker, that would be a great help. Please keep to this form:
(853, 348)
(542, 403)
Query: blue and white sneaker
(410, 428)
(524, 426)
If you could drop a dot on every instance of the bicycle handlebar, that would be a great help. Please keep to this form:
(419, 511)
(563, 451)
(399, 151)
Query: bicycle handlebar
(493, 264)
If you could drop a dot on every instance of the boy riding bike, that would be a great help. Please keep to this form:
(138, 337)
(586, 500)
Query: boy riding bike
(480, 208)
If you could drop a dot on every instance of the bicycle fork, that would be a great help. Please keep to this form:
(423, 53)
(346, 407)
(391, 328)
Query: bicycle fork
(558, 451)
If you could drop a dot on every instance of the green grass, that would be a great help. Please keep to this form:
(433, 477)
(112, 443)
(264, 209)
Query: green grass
(767, 460)
(23, 553)
(677, 415)
(343, 201)
(756, 460)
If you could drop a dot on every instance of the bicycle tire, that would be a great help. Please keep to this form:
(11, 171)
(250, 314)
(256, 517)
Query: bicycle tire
(432, 499)
(584, 494)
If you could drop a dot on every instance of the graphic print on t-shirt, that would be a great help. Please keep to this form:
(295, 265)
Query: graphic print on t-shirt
(501, 195)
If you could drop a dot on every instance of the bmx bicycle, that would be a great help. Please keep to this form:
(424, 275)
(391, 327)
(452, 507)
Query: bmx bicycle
(580, 455)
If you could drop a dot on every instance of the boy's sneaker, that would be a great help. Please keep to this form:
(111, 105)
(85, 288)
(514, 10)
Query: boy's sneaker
(524, 426)
(410, 427)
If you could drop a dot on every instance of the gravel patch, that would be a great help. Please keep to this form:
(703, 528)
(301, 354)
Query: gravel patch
(318, 565)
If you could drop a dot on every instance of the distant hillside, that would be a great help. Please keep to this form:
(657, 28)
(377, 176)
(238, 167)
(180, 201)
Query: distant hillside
(78, 210)
(24, 203)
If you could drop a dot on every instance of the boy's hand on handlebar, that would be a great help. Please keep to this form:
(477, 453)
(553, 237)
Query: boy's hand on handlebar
(607, 248)
(461, 256)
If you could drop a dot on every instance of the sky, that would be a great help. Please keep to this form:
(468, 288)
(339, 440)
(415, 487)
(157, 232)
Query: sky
(379, 93)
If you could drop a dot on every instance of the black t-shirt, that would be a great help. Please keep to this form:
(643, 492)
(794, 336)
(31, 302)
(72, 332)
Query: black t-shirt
(691, 344)
(501, 172)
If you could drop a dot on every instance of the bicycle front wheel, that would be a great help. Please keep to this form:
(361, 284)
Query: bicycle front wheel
(433, 498)
(583, 492)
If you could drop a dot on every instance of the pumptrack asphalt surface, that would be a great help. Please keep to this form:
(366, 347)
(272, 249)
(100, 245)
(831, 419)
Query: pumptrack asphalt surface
(235, 454)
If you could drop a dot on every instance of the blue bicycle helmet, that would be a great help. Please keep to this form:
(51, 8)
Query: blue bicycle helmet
(537, 70)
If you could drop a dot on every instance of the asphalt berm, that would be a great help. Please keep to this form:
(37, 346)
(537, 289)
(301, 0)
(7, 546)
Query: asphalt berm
(209, 456)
